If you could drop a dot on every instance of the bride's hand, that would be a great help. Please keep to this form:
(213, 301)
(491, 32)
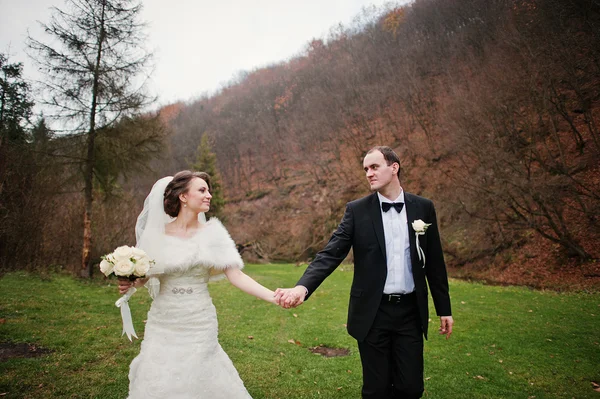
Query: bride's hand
(272, 299)
(124, 285)
(290, 297)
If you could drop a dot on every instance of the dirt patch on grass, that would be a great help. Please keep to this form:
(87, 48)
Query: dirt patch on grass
(329, 352)
(11, 350)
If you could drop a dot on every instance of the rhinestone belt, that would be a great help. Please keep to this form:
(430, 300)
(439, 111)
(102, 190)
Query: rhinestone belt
(182, 291)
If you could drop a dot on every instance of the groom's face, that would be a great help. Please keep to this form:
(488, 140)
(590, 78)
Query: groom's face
(379, 173)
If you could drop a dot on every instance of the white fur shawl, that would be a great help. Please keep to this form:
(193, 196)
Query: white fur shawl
(211, 246)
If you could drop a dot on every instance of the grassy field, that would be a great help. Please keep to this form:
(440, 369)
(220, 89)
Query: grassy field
(508, 342)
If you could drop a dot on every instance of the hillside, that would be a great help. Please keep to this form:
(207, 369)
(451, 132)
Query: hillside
(492, 105)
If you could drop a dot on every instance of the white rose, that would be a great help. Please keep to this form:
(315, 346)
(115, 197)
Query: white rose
(138, 253)
(420, 226)
(124, 267)
(123, 253)
(106, 267)
(141, 267)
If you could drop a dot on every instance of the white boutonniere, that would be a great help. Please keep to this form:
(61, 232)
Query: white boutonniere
(420, 227)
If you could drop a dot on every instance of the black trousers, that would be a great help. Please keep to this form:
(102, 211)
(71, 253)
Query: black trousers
(392, 352)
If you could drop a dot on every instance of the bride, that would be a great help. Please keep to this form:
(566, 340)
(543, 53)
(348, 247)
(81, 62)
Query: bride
(180, 355)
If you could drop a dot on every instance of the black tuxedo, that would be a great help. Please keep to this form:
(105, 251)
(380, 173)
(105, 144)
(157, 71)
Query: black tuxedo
(362, 229)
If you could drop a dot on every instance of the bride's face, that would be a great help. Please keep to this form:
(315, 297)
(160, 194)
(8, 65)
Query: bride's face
(197, 197)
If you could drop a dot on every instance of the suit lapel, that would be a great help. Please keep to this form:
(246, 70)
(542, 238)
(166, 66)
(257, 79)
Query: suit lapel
(375, 213)
(412, 211)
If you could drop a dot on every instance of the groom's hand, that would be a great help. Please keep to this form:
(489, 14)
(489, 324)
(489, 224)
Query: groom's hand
(446, 323)
(290, 297)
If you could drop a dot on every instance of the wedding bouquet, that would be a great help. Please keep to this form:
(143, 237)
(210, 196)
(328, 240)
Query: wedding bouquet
(128, 262)
(131, 263)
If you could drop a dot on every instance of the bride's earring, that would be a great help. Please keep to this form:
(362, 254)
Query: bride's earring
(184, 205)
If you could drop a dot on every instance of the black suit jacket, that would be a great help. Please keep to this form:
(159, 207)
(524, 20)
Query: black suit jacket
(361, 228)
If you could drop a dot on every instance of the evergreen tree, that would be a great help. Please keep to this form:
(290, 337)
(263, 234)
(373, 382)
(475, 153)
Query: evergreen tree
(15, 111)
(18, 237)
(15, 102)
(206, 161)
(41, 134)
(94, 55)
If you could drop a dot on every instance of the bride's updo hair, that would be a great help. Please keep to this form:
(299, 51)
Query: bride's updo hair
(180, 185)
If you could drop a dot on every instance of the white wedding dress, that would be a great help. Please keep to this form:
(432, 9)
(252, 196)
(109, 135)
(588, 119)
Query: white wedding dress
(180, 356)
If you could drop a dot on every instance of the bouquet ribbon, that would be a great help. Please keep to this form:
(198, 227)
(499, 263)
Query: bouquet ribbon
(123, 303)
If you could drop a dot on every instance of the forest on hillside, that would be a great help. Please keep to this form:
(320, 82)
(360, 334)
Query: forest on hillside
(492, 105)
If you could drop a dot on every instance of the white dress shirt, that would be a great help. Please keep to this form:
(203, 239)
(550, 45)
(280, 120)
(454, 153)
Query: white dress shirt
(397, 249)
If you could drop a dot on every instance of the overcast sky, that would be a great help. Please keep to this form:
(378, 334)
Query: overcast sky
(199, 45)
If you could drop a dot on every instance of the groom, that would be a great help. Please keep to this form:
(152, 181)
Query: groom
(397, 250)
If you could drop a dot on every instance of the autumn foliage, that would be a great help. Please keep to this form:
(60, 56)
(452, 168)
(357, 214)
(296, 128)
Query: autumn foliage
(492, 105)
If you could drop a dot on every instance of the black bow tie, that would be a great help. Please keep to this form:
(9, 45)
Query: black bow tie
(385, 206)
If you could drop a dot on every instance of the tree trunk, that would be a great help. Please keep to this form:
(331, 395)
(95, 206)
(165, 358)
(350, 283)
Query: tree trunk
(2, 156)
(86, 267)
(574, 249)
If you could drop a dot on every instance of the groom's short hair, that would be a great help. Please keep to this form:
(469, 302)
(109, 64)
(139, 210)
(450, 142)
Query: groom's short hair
(389, 155)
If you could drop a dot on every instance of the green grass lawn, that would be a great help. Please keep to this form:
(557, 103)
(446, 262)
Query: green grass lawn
(508, 342)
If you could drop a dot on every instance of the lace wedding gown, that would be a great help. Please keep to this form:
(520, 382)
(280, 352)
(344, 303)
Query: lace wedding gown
(180, 356)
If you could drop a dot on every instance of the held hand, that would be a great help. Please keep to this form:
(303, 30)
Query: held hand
(272, 298)
(282, 295)
(446, 323)
(290, 297)
(124, 285)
